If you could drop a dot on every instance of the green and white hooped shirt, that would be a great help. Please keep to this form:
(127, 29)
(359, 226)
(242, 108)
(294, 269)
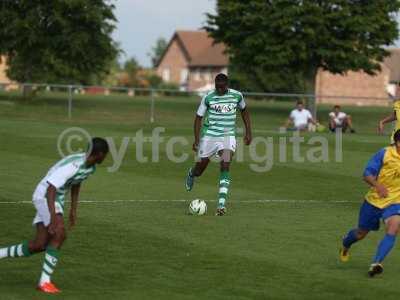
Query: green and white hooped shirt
(220, 113)
(70, 170)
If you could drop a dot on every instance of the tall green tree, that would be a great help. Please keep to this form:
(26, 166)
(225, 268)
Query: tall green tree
(259, 81)
(111, 77)
(157, 51)
(60, 41)
(131, 67)
(302, 36)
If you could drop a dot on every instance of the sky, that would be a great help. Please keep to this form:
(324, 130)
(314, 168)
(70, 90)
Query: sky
(142, 22)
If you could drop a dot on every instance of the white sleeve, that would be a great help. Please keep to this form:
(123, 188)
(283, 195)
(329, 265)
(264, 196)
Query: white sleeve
(309, 115)
(201, 111)
(332, 114)
(291, 116)
(242, 103)
(60, 176)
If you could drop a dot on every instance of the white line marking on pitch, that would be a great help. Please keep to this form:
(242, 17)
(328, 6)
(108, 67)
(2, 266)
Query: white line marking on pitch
(185, 200)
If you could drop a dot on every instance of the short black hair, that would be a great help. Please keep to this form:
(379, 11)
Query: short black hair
(396, 136)
(98, 145)
(300, 102)
(336, 106)
(221, 77)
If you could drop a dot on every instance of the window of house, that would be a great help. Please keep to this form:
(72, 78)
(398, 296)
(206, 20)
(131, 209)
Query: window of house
(184, 75)
(197, 75)
(166, 74)
(207, 75)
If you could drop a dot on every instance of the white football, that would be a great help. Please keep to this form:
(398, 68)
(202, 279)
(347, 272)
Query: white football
(197, 207)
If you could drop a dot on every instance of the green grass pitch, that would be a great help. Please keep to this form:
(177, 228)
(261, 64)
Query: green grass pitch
(153, 249)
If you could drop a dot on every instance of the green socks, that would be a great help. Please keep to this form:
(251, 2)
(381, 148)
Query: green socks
(224, 181)
(20, 250)
(50, 262)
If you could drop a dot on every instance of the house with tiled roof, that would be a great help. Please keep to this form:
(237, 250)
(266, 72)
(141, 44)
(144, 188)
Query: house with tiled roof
(192, 60)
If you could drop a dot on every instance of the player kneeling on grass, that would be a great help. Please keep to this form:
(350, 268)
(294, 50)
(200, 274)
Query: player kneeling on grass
(381, 202)
(218, 134)
(48, 200)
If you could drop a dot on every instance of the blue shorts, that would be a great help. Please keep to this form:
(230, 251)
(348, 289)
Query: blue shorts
(370, 216)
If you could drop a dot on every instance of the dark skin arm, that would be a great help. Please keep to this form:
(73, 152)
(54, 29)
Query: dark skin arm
(247, 124)
(75, 189)
(380, 188)
(51, 198)
(197, 128)
(386, 120)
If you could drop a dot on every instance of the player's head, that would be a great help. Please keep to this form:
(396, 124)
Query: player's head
(336, 108)
(396, 138)
(98, 150)
(300, 105)
(221, 83)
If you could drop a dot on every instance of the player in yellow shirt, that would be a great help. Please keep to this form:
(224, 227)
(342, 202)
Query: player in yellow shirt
(395, 116)
(381, 202)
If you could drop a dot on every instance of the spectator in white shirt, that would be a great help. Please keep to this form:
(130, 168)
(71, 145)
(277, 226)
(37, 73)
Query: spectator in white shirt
(339, 119)
(301, 118)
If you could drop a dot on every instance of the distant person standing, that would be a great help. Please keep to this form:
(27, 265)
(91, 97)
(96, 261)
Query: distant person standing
(217, 135)
(300, 117)
(339, 119)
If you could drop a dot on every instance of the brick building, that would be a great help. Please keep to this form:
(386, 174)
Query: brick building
(359, 88)
(192, 60)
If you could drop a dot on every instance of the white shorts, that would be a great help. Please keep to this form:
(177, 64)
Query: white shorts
(210, 146)
(42, 209)
(301, 126)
